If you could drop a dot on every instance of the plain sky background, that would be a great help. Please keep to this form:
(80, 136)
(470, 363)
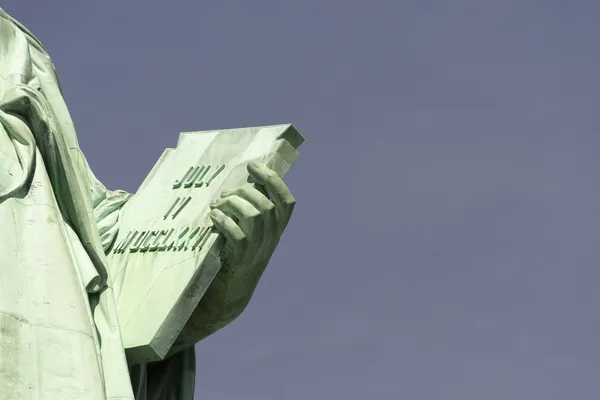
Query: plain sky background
(445, 240)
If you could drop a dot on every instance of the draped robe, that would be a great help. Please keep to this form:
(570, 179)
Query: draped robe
(59, 331)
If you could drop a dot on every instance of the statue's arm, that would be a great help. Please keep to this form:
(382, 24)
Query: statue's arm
(225, 299)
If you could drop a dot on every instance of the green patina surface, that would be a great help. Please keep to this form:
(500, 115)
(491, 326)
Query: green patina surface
(100, 289)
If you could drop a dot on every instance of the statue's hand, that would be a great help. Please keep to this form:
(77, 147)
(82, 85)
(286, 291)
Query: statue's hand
(252, 219)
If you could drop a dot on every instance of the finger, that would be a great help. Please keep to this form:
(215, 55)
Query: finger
(252, 195)
(262, 204)
(277, 191)
(236, 241)
(248, 217)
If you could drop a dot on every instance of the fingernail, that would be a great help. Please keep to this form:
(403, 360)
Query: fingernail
(213, 203)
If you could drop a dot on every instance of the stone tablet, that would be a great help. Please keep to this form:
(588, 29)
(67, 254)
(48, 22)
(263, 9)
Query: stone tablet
(166, 253)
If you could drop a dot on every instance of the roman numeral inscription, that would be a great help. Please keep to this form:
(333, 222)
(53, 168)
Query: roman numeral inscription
(173, 239)
(176, 207)
(198, 176)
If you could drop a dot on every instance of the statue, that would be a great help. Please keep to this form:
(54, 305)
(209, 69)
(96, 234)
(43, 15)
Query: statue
(103, 294)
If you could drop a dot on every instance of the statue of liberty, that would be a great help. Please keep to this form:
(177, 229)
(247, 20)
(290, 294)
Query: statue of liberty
(59, 333)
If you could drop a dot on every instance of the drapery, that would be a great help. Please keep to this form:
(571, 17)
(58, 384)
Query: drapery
(59, 331)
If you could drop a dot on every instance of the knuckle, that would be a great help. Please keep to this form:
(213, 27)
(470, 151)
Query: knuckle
(233, 199)
(290, 201)
(220, 217)
(269, 207)
(227, 193)
(254, 216)
(271, 176)
(246, 190)
(220, 202)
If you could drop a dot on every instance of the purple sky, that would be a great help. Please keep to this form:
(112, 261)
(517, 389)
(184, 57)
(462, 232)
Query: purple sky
(445, 240)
